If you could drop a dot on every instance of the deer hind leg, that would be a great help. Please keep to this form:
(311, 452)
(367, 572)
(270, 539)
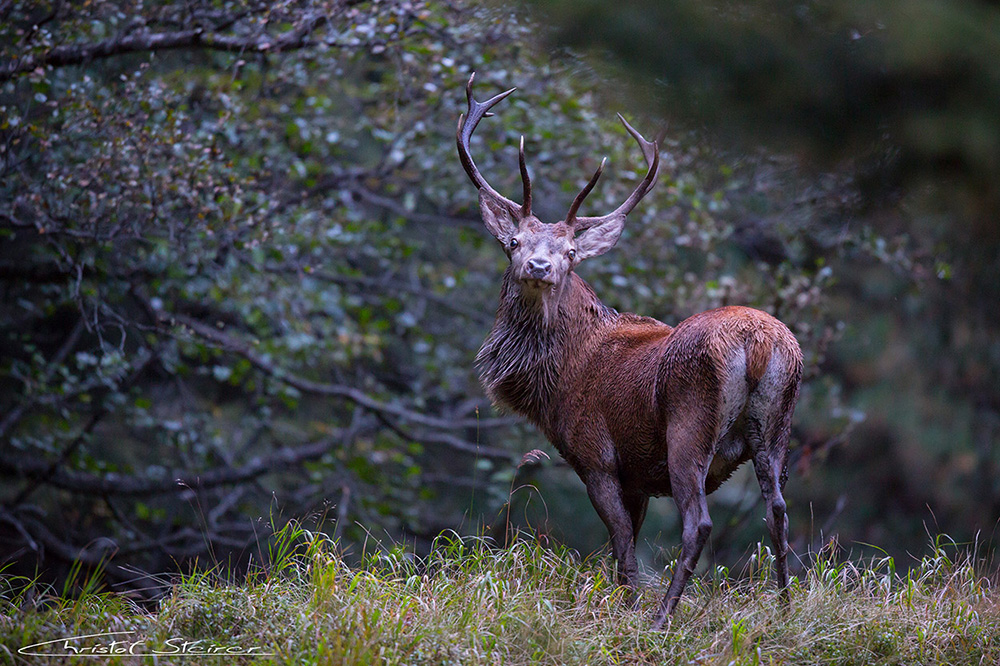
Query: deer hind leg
(605, 492)
(769, 466)
(688, 484)
(768, 435)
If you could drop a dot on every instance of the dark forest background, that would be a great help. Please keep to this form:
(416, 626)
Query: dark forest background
(243, 277)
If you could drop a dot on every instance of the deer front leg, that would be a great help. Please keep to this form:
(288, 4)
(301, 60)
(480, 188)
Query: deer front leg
(605, 492)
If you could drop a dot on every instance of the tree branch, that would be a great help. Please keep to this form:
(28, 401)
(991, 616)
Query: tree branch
(78, 54)
(396, 208)
(453, 442)
(380, 287)
(14, 415)
(96, 555)
(103, 410)
(361, 398)
(120, 485)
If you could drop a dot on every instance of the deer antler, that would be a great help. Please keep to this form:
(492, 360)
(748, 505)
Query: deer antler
(466, 126)
(652, 154)
(571, 215)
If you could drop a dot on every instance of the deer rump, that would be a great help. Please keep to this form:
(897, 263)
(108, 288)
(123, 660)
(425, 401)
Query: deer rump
(638, 408)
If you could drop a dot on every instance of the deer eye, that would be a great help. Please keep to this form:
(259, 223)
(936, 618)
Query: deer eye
(571, 254)
(513, 243)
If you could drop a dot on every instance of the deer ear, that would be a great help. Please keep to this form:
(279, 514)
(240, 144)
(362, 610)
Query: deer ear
(600, 237)
(497, 216)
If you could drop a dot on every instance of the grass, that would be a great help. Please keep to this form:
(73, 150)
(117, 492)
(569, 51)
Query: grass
(467, 603)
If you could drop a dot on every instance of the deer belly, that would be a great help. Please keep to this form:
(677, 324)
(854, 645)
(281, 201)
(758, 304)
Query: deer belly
(643, 465)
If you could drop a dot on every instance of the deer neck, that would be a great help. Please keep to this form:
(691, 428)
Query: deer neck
(535, 342)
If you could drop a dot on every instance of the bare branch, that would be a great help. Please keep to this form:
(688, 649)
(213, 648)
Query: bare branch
(120, 485)
(453, 442)
(14, 415)
(96, 555)
(397, 208)
(103, 410)
(380, 286)
(78, 54)
(356, 396)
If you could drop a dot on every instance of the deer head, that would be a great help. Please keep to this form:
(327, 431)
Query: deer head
(542, 255)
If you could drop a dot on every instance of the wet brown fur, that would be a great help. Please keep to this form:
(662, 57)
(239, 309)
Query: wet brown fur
(633, 400)
(595, 374)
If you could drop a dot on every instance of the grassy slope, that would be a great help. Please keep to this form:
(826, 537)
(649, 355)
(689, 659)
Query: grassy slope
(466, 604)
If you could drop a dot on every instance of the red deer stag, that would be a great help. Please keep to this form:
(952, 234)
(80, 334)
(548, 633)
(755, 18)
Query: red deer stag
(638, 408)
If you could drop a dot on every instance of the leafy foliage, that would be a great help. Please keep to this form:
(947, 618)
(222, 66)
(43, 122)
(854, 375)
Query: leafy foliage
(241, 267)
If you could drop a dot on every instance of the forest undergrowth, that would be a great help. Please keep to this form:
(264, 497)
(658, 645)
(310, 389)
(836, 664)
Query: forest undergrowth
(469, 602)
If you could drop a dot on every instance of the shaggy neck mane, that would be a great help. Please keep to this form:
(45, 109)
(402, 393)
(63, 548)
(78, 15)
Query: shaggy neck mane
(533, 343)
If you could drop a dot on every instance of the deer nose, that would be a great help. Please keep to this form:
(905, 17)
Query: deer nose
(538, 267)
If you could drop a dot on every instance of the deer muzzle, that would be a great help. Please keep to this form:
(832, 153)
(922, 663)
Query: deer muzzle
(537, 268)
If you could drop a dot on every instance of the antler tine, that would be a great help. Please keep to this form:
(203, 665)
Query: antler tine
(571, 215)
(650, 151)
(466, 126)
(525, 180)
